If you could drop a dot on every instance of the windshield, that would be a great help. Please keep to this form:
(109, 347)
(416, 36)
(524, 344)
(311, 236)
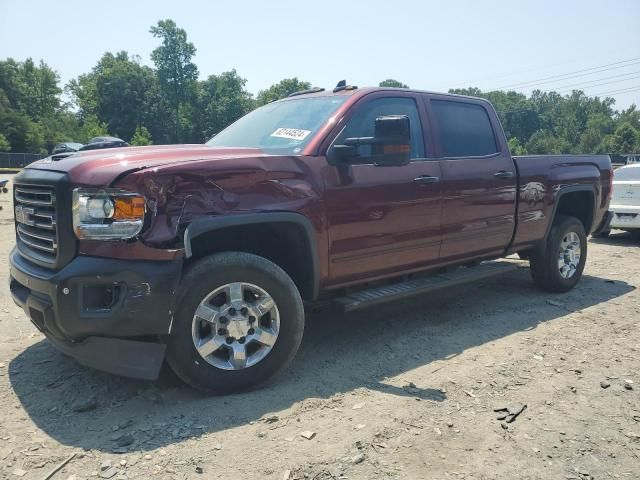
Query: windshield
(280, 127)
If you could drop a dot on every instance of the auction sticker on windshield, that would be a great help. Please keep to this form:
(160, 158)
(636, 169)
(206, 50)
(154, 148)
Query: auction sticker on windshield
(292, 133)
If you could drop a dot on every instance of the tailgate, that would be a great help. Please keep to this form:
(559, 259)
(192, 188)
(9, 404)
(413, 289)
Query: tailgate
(626, 193)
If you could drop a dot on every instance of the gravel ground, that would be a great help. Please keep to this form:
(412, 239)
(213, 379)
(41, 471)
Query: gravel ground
(406, 391)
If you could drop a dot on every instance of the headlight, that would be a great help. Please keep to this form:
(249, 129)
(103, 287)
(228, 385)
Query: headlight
(107, 214)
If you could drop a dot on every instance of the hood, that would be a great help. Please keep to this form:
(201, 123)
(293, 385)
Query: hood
(102, 167)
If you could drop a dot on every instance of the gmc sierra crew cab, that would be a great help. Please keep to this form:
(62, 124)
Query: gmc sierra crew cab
(205, 255)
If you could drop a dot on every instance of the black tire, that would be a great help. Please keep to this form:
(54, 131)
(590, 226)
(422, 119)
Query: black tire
(544, 259)
(635, 233)
(603, 234)
(204, 277)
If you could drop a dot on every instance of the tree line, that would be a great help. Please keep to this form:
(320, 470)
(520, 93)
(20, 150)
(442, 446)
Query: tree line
(167, 103)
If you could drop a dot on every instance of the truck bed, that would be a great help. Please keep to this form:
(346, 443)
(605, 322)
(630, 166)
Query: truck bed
(543, 177)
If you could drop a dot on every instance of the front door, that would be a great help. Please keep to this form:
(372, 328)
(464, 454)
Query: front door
(382, 219)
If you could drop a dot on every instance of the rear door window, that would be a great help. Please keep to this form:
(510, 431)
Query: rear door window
(464, 129)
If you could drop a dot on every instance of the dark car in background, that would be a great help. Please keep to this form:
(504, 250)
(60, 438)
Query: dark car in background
(66, 147)
(63, 150)
(98, 143)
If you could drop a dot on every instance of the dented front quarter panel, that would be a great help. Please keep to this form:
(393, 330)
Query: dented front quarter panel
(179, 193)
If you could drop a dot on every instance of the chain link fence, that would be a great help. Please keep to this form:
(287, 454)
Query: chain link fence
(18, 160)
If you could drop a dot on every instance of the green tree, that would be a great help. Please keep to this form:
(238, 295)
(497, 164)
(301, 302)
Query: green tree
(29, 104)
(631, 116)
(34, 138)
(544, 142)
(40, 84)
(115, 92)
(282, 89)
(141, 137)
(158, 116)
(598, 127)
(391, 83)
(11, 84)
(92, 127)
(222, 100)
(176, 72)
(63, 126)
(515, 147)
(122, 90)
(5, 146)
(31, 89)
(23, 134)
(625, 140)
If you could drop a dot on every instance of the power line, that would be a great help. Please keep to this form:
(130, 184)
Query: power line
(575, 74)
(599, 79)
(598, 84)
(514, 73)
(585, 84)
(623, 90)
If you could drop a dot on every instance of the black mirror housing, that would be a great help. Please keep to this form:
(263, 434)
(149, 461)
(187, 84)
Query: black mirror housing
(391, 126)
(392, 140)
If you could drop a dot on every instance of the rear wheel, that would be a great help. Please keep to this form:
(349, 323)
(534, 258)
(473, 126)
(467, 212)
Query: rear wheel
(558, 265)
(239, 321)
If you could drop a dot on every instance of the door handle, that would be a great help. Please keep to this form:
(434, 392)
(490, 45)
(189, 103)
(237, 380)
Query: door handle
(503, 174)
(426, 179)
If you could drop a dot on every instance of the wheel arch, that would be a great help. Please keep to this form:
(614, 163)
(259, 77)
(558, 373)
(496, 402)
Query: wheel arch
(296, 252)
(570, 200)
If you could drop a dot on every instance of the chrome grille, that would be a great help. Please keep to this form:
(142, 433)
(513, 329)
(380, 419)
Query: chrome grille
(35, 215)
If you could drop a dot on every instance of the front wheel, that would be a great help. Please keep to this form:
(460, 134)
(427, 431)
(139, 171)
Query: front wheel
(238, 322)
(557, 266)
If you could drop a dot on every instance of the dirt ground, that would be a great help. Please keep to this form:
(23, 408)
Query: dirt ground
(406, 391)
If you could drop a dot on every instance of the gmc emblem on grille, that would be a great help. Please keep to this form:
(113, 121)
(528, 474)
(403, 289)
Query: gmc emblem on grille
(24, 215)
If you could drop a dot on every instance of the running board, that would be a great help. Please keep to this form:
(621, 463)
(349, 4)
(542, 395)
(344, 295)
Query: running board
(396, 291)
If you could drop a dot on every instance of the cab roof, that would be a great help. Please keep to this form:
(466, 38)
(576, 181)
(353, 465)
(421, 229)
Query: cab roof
(356, 91)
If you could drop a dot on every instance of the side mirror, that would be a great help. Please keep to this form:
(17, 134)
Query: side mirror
(392, 140)
(390, 145)
(342, 154)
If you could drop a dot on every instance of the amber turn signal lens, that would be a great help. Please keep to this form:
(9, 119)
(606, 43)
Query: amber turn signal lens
(129, 208)
(396, 148)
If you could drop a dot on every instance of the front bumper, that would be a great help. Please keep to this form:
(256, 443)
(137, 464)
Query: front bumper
(98, 310)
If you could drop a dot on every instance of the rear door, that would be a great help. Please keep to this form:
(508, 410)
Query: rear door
(383, 220)
(479, 178)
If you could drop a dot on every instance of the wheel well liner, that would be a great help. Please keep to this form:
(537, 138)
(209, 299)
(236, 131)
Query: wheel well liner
(245, 232)
(570, 201)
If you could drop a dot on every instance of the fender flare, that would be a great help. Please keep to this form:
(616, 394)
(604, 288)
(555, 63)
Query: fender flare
(203, 225)
(572, 189)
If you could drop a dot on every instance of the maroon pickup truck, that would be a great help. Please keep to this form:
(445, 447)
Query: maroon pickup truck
(204, 255)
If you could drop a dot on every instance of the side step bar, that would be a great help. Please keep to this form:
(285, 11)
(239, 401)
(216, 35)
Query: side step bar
(396, 291)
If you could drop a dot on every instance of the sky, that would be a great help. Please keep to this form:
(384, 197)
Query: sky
(425, 44)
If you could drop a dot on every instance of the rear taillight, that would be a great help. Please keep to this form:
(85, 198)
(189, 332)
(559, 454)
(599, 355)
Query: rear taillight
(610, 183)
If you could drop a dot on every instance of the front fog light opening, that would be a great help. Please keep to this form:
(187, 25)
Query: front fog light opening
(101, 298)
